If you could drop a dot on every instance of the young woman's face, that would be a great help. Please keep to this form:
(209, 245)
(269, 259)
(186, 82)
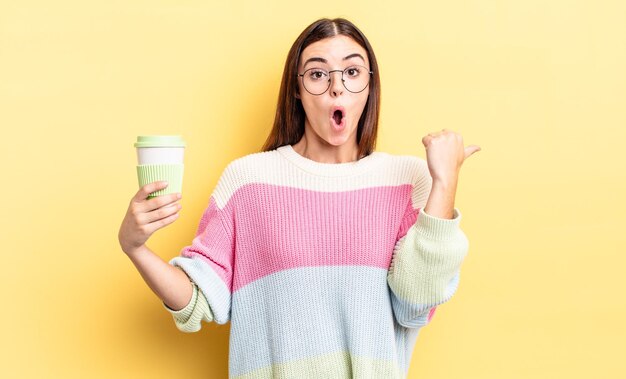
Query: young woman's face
(334, 115)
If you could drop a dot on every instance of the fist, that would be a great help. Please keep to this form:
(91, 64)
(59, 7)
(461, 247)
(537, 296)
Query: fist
(445, 154)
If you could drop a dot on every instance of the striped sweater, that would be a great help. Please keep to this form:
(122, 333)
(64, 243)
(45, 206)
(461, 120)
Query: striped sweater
(324, 270)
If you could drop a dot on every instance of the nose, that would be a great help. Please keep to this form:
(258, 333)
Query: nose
(336, 83)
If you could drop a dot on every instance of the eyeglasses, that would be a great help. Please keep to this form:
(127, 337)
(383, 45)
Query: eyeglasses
(355, 79)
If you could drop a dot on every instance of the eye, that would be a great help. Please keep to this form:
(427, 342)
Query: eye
(317, 74)
(353, 71)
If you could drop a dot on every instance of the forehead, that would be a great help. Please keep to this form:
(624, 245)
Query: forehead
(333, 49)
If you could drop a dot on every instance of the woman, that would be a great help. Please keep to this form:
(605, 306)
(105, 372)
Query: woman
(326, 256)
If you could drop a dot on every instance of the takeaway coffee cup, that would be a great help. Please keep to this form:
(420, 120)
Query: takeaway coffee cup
(160, 157)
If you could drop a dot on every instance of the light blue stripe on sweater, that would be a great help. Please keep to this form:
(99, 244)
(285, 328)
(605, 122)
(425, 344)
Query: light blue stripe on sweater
(307, 311)
(416, 315)
(213, 287)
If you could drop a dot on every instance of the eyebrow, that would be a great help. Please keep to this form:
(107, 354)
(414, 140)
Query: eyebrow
(322, 60)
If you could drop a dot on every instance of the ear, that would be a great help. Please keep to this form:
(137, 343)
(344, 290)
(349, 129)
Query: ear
(297, 94)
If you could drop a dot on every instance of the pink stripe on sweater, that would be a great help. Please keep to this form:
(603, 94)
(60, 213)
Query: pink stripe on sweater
(431, 313)
(272, 228)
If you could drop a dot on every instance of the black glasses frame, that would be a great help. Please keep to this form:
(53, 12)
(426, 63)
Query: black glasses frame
(343, 81)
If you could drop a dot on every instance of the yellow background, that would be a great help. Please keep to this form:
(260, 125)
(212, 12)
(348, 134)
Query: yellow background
(539, 85)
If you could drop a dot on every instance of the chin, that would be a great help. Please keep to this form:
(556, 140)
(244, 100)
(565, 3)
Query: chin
(338, 140)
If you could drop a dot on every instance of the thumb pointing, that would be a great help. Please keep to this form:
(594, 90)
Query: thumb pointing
(471, 149)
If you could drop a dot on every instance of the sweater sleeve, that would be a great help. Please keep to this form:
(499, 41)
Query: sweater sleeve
(188, 319)
(208, 262)
(426, 263)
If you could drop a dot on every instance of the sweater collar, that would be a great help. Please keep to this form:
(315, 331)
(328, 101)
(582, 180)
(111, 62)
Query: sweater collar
(330, 169)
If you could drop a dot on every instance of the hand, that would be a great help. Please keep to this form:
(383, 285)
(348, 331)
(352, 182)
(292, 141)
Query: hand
(144, 216)
(445, 154)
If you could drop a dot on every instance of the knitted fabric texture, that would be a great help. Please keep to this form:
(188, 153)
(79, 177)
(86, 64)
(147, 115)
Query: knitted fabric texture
(324, 270)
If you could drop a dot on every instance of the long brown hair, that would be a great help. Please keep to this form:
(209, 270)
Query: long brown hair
(289, 120)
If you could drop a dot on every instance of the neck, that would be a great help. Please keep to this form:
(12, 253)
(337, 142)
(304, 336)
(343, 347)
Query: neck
(326, 153)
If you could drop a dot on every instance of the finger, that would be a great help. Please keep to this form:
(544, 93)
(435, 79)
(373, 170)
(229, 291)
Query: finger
(160, 213)
(439, 133)
(426, 140)
(159, 202)
(471, 149)
(146, 190)
(156, 225)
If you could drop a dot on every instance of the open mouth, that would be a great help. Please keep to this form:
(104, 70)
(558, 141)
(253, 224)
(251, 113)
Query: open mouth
(337, 116)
